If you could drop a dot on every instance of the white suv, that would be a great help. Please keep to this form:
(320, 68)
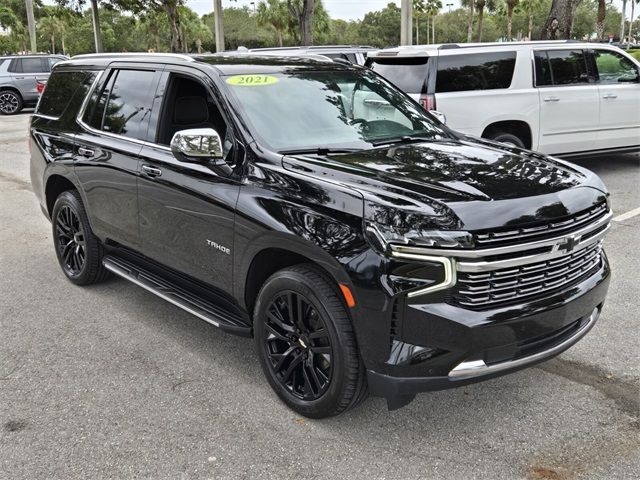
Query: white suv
(555, 97)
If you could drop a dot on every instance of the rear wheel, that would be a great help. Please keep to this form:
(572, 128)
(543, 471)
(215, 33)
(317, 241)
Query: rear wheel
(78, 250)
(10, 102)
(306, 344)
(507, 138)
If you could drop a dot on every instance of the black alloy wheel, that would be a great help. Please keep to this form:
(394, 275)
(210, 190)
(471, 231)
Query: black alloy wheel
(10, 102)
(78, 250)
(306, 343)
(298, 346)
(70, 240)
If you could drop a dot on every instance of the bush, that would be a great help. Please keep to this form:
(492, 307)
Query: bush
(635, 53)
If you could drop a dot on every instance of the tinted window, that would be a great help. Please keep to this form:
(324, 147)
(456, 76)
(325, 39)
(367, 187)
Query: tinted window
(486, 71)
(95, 108)
(614, 68)
(561, 67)
(129, 104)
(60, 89)
(32, 65)
(409, 74)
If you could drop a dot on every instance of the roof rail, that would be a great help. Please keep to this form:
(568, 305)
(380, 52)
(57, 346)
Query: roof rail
(134, 54)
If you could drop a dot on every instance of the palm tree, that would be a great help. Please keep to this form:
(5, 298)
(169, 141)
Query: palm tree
(276, 14)
(602, 11)
(50, 26)
(432, 9)
(510, 6)
(481, 5)
(419, 8)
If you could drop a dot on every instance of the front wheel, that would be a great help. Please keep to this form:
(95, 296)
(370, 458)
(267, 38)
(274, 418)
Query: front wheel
(306, 344)
(508, 139)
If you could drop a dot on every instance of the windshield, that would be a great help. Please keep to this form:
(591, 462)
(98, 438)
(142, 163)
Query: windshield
(328, 110)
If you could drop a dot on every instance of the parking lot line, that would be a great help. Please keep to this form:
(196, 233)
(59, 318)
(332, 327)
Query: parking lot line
(628, 215)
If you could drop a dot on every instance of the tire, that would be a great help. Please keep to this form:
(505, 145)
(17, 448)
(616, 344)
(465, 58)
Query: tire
(78, 250)
(508, 138)
(10, 102)
(327, 376)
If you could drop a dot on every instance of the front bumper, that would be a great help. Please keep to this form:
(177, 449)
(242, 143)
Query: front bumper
(464, 346)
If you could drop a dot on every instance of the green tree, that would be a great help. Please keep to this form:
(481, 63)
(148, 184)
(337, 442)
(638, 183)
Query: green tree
(490, 5)
(470, 5)
(381, 28)
(276, 14)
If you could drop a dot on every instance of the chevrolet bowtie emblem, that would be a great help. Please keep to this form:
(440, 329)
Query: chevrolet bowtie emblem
(569, 243)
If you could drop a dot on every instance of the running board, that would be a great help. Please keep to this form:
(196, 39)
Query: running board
(202, 308)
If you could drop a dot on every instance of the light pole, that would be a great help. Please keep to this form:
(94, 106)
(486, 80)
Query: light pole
(31, 25)
(449, 5)
(217, 20)
(406, 28)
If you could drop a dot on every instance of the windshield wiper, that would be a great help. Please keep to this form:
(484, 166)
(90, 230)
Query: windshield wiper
(405, 139)
(318, 151)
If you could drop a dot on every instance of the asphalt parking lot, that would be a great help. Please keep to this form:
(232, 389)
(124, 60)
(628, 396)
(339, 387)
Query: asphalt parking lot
(112, 382)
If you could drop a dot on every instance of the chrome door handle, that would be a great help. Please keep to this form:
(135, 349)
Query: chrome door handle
(551, 99)
(86, 152)
(609, 95)
(151, 171)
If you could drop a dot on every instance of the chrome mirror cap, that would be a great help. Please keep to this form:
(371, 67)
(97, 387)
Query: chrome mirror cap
(197, 143)
(442, 118)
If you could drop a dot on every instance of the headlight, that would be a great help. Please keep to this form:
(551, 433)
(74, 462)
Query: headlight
(385, 237)
(416, 254)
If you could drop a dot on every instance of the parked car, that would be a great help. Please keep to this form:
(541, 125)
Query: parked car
(314, 206)
(356, 54)
(555, 97)
(19, 77)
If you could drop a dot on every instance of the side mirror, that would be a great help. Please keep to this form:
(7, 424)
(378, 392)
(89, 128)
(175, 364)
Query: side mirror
(441, 117)
(200, 145)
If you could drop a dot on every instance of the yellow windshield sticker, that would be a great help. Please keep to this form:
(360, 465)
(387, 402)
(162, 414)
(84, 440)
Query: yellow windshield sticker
(251, 80)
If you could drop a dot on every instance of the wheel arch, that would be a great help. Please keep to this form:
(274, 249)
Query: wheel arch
(55, 185)
(519, 128)
(276, 254)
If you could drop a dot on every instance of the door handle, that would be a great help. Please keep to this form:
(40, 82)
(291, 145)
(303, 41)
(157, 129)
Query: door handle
(609, 95)
(551, 99)
(19, 78)
(86, 152)
(151, 171)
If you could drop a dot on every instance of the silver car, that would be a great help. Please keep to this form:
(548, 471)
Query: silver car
(19, 77)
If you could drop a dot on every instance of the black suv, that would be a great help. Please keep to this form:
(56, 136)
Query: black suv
(315, 207)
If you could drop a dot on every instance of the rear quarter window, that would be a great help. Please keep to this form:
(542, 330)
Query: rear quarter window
(408, 74)
(61, 88)
(478, 71)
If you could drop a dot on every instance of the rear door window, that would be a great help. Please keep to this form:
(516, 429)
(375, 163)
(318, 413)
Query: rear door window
(129, 105)
(478, 71)
(33, 65)
(123, 106)
(408, 74)
(561, 67)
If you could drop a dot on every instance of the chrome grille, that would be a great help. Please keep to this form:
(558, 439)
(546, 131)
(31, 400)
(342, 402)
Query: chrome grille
(492, 288)
(542, 230)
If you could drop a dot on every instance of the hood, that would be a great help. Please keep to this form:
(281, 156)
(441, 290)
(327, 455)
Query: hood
(457, 184)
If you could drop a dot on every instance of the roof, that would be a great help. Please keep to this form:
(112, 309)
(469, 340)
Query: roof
(433, 49)
(226, 64)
